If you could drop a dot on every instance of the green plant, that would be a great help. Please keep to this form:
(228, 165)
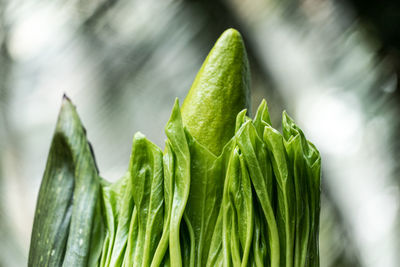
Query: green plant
(227, 190)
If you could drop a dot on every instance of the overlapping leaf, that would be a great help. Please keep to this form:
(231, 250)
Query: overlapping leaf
(256, 204)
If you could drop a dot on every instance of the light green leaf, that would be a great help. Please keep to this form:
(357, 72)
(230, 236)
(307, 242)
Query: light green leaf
(146, 173)
(260, 170)
(180, 181)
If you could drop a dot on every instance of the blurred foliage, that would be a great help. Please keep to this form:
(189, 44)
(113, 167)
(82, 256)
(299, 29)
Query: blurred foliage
(120, 59)
(11, 249)
(382, 20)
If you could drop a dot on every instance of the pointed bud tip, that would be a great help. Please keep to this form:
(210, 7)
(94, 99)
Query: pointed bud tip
(230, 36)
(66, 106)
(231, 33)
(139, 136)
(66, 98)
(219, 92)
(66, 101)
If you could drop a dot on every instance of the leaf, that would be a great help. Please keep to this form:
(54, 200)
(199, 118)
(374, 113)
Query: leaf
(204, 198)
(180, 181)
(53, 208)
(67, 198)
(305, 161)
(260, 242)
(132, 241)
(238, 215)
(286, 214)
(260, 170)
(262, 118)
(125, 211)
(161, 255)
(146, 173)
(98, 236)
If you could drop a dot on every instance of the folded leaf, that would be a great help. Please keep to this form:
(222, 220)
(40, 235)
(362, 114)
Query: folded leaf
(238, 214)
(146, 173)
(286, 214)
(204, 198)
(260, 169)
(67, 198)
(180, 181)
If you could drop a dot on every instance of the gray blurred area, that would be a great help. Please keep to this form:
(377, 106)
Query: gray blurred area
(124, 62)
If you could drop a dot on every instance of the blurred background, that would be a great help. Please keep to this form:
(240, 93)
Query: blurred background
(333, 65)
